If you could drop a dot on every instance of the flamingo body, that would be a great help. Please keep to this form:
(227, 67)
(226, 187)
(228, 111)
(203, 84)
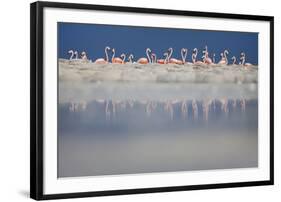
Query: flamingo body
(100, 61)
(161, 61)
(142, 61)
(117, 60)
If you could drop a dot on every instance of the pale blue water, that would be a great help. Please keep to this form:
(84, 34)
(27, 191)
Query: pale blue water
(132, 141)
(130, 119)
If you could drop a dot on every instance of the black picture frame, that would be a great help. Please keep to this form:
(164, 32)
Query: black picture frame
(36, 98)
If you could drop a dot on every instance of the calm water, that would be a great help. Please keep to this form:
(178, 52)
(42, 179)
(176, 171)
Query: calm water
(129, 119)
(106, 137)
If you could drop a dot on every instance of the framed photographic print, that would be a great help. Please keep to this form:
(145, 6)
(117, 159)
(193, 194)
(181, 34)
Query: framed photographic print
(136, 100)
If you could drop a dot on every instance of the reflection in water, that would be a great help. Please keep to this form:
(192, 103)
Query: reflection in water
(133, 118)
(111, 107)
(109, 136)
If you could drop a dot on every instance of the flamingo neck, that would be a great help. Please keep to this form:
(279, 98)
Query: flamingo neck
(170, 55)
(131, 58)
(243, 60)
(113, 55)
(106, 54)
(194, 55)
(147, 55)
(166, 58)
(123, 56)
(155, 58)
(225, 56)
(183, 56)
(71, 56)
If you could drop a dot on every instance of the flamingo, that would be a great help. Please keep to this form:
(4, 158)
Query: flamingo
(102, 60)
(84, 56)
(123, 57)
(214, 55)
(194, 56)
(117, 60)
(163, 61)
(243, 59)
(233, 60)
(173, 60)
(145, 60)
(206, 58)
(76, 55)
(183, 54)
(224, 60)
(71, 52)
(130, 58)
(153, 58)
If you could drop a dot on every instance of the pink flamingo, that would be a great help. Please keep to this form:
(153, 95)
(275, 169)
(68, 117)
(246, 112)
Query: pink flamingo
(224, 60)
(118, 60)
(163, 61)
(194, 56)
(173, 60)
(243, 59)
(183, 55)
(84, 56)
(206, 58)
(153, 58)
(76, 55)
(130, 58)
(233, 60)
(102, 60)
(145, 60)
(214, 55)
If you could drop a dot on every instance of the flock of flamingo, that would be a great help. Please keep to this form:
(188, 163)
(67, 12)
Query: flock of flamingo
(112, 107)
(167, 59)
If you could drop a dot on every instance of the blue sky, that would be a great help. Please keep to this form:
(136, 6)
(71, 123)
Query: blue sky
(93, 38)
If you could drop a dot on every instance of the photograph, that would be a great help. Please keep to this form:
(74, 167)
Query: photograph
(140, 99)
(132, 100)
